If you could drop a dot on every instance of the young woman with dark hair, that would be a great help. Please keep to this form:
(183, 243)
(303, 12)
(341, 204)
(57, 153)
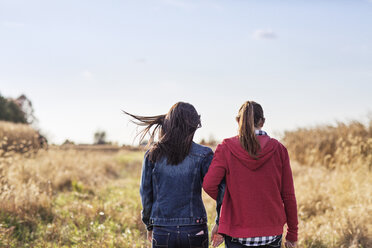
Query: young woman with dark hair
(259, 195)
(172, 175)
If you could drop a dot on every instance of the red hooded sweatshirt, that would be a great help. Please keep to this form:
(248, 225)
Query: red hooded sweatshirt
(259, 196)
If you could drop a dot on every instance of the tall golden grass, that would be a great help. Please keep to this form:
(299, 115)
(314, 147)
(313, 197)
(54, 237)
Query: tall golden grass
(348, 144)
(40, 195)
(17, 138)
(90, 198)
(333, 182)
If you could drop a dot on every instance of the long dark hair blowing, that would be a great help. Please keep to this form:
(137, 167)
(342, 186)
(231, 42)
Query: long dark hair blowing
(249, 116)
(175, 132)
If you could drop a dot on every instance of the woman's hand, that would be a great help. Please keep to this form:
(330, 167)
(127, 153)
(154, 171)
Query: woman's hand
(149, 236)
(290, 244)
(216, 238)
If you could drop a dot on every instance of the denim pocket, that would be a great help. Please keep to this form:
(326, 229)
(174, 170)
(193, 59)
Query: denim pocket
(198, 241)
(160, 240)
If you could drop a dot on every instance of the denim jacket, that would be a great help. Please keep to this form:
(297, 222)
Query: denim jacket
(171, 194)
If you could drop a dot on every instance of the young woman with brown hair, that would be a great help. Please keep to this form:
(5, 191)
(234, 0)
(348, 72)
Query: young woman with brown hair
(259, 196)
(172, 175)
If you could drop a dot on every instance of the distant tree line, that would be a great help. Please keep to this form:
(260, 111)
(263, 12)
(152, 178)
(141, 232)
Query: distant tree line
(19, 110)
(100, 137)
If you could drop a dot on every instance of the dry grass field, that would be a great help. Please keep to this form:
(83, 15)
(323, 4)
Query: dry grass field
(347, 145)
(90, 198)
(333, 180)
(17, 138)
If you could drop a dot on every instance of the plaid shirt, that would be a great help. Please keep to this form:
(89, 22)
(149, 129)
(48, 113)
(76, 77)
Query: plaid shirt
(257, 241)
(260, 132)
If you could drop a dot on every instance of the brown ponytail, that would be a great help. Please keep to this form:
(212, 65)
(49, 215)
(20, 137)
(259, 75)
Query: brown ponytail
(249, 116)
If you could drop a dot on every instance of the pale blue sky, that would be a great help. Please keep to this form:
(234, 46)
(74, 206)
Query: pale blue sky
(81, 62)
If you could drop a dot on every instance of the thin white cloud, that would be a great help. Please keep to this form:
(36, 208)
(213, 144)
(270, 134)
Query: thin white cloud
(179, 3)
(87, 74)
(9, 24)
(217, 6)
(264, 34)
(141, 60)
(188, 4)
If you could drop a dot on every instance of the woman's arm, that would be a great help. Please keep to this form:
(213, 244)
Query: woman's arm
(216, 173)
(146, 191)
(221, 187)
(289, 199)
(215, 237)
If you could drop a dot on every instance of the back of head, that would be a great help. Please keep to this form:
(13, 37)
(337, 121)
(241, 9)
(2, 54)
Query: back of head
(177, 129)
(250, 116)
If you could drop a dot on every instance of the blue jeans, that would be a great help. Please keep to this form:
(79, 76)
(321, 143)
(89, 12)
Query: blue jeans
(229, 243)
(180, 236)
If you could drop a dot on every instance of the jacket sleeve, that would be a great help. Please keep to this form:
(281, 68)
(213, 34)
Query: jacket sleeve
(146, 192)
(216, 173)
(289, 198)
(206, 162)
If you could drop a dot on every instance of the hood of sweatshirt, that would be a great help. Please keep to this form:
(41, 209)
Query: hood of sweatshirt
(268, 148)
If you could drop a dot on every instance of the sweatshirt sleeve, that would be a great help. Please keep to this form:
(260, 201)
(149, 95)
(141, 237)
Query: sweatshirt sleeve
(221, 193)
(289, 199)
(216, 173)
